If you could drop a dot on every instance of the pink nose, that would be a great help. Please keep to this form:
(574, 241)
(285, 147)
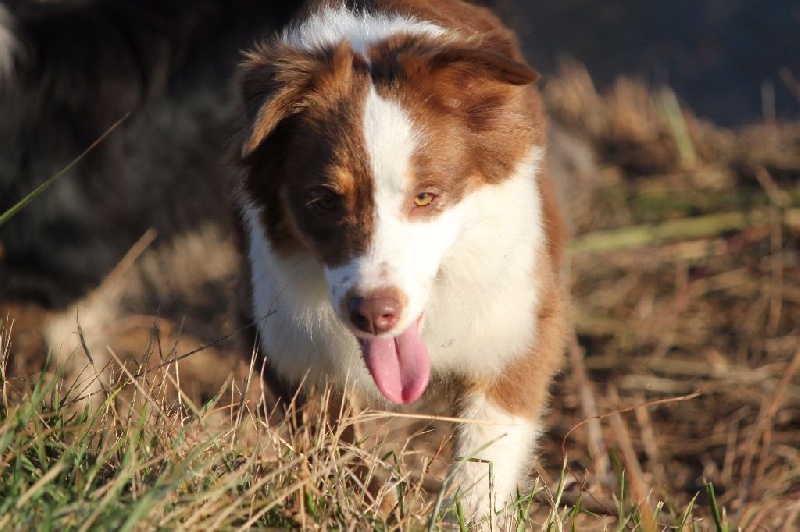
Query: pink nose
(374, 315)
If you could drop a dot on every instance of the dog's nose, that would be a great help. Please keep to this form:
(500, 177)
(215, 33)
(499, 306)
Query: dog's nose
(374, 315)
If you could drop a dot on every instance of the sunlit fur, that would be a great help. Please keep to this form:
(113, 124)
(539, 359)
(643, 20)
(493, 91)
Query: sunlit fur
(331, 25)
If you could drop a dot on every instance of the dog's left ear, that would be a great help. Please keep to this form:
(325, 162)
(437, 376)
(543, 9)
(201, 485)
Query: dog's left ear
(272, 78)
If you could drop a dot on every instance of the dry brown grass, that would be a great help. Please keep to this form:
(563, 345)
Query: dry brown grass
(686, 280)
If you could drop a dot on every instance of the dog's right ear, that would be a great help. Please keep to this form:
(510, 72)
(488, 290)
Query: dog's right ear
(273, 79)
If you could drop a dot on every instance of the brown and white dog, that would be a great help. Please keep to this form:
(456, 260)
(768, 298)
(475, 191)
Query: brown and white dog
(398, 221)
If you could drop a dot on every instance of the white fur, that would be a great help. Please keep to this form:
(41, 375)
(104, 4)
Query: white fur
(481, 310)
(493, 437)
(9, 45)
(332, 25)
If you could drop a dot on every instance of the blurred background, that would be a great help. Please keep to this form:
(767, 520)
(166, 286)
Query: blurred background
(727, 59)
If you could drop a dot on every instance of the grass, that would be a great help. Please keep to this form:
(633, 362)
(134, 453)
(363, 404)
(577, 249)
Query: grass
(160, 466)
(143, 460)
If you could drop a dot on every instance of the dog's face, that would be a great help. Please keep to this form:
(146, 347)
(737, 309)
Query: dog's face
(370, 163)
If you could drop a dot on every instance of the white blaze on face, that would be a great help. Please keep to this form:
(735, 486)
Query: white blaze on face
(402, 254)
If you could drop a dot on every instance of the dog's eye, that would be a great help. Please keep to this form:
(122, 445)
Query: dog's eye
(424, 199)
(324, 201)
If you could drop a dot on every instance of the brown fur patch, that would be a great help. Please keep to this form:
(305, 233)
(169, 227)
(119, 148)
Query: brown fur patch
(469, 98)
(306, 166)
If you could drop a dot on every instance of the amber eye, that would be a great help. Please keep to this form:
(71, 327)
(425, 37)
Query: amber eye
(424, 199)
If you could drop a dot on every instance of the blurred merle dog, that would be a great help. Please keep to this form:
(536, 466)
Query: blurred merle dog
(68, 70)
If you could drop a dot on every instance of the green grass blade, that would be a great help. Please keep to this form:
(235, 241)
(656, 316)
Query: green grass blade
(10, 213)
(719, 522)
(687, 513)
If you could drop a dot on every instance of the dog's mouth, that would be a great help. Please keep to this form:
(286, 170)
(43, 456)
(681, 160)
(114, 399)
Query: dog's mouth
(399, 365)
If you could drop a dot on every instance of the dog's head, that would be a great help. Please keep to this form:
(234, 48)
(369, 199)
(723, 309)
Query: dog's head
(369, 161)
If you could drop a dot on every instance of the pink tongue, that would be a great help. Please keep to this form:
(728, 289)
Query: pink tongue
(400, 366)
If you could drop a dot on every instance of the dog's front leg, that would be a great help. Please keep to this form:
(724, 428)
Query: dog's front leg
(493, 452)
